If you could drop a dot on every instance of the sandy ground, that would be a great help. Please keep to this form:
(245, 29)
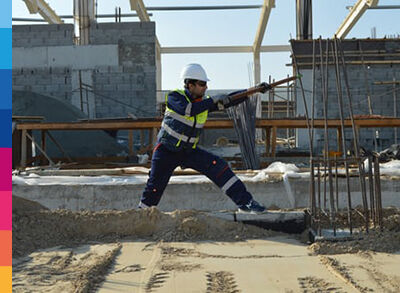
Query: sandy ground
(276, 264)
(187, 251)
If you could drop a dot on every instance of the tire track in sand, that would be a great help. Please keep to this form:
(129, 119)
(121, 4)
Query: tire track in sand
(342, 273)
(221, 282)
(153, 280)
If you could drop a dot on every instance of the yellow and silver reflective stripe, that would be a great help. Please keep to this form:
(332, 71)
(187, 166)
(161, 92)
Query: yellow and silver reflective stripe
(175, 134)
(229, 183)
(195, 143)
(188, 109)
(180, 118)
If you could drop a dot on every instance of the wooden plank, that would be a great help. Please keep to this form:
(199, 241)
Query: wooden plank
(267, 141)
(130, 142)
(43, 160)
(210, 124)
(23, 148)
(273, 142)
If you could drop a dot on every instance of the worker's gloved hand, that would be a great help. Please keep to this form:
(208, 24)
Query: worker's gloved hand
(221, 100)
(265, 87)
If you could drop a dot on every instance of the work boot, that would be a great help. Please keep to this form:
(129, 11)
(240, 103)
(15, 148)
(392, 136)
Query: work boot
(141, 206)
(252, 207)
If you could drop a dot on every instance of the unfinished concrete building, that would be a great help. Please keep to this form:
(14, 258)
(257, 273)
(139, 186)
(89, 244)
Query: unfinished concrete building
(78, 228)
(113, 76)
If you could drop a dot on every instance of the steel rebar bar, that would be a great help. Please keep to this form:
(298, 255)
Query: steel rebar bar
(355, 135)
(342, 129)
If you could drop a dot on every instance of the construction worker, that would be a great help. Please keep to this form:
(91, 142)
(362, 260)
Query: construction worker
(185, 115)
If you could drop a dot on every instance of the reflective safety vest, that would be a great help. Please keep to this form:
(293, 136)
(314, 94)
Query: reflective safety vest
(182, 131)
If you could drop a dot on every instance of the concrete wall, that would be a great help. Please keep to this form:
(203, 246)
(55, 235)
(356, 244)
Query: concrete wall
(361, 83)
(118, 66)
(204, 196)
(382, 101)
(29, 36)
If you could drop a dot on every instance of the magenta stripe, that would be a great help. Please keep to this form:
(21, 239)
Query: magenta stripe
(5, 169)
(5, 210)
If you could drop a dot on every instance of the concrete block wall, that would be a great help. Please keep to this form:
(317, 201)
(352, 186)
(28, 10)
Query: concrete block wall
(54, 82)
(133, 81)
(131, 88)
(42, 35)
(128, 86)
(382, 102)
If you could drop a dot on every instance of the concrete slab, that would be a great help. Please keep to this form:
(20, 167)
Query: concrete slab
(205, 196)
(288, 222)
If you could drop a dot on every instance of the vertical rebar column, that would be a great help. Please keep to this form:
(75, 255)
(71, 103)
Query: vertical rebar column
(312, 175)
(330, 179)
(371, 189)
(305, 106)
(355, 138)
(341, 114)
(324, 110)
(394, 108)
(378, 196)
(319, 199)
(368, 92)
(336, 184)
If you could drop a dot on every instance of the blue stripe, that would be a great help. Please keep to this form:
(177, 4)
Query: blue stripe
(5, 128)
(6, 13)
(6, 48)
(5, 87)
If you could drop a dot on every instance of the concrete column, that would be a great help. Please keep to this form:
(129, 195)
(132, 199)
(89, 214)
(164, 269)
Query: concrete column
(84, 14)
(304, 19)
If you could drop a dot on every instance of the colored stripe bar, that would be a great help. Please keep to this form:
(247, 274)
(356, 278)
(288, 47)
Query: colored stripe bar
(5, 13)
(6, 248)
(5, 170)
(5, 130)
(6, 48)
(5, 86)
(6, 210)
(5, 147)
(6, 279)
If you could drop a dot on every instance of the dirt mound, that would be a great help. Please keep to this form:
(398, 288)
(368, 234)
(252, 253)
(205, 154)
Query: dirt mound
(387, 240)
(35, 228)
(21, 205)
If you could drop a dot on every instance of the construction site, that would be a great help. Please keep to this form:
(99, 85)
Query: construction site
(317, 151)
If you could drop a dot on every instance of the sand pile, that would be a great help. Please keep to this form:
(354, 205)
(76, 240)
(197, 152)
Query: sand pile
(35, 227)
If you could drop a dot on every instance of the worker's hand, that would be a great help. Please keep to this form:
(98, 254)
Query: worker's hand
(265, 87)
(221, 101)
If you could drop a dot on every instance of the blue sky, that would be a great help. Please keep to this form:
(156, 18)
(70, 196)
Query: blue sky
(236, 27)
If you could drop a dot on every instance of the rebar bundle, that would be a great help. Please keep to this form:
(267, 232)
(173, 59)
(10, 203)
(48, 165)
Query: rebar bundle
(244, 120)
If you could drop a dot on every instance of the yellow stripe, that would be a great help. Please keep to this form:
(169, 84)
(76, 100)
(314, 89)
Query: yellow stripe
(5, 279)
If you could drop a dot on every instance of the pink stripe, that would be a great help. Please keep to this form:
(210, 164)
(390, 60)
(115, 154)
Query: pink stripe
(5, 210)
(5, 168)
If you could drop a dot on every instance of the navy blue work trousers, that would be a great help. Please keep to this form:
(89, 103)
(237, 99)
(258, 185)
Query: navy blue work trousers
(216, 169)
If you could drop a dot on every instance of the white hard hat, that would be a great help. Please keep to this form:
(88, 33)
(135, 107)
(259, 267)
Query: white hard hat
(194, 71)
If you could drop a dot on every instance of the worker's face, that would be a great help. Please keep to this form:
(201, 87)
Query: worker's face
(198, 89)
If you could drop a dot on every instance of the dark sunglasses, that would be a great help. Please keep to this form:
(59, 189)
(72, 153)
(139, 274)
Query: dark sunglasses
(201, 83)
